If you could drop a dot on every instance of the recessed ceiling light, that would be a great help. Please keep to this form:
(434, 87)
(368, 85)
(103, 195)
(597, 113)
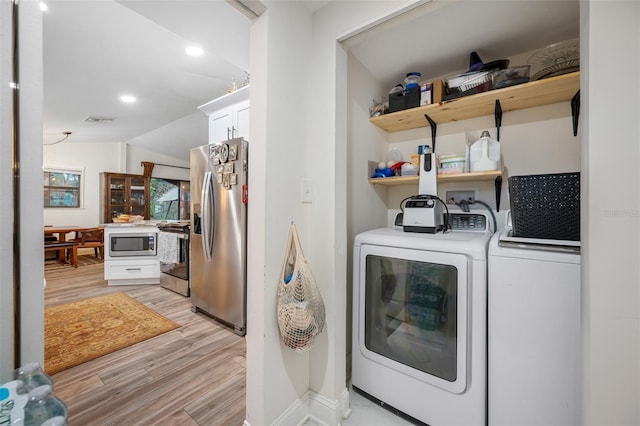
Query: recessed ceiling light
(194, 51)
(128, 99)
(43, 6)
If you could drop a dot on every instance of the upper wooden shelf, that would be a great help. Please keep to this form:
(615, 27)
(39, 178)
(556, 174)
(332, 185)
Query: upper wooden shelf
(535, 93)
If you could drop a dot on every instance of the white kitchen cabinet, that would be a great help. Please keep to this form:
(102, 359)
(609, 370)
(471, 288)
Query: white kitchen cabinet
(228, 116)
(130, 254)
(132, 271)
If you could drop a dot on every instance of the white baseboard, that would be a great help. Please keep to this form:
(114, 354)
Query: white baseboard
(316, 409)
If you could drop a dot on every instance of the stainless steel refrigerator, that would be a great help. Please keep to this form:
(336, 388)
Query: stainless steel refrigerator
(218, 232)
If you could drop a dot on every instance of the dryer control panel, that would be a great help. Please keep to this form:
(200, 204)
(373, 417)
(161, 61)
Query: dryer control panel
(468, 222)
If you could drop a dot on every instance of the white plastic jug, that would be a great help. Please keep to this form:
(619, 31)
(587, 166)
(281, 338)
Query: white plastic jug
(484, 154)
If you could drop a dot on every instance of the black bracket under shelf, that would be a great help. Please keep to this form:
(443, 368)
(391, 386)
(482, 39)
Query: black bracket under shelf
(498, 117)
(575, 111)
(434, 128)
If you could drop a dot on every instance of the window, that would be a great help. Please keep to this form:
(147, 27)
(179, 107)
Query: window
(63, 188)
(169, 199)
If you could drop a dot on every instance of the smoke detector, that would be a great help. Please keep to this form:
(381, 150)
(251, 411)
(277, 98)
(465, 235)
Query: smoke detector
(103, 120)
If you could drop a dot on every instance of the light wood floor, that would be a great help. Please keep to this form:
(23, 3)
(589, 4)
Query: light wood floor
(194, 375)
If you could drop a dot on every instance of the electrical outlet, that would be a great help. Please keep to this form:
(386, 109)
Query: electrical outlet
(454, 197)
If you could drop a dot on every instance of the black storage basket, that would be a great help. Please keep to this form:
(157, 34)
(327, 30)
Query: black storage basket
(546, 206)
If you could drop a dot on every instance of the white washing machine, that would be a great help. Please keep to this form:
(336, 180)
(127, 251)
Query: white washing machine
(419, 316)
(534, 331)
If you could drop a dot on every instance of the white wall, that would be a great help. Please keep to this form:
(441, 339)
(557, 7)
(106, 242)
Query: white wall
(610, 211)
(31, 253)
(94, 159)
(136, 155)
(6, 198)
(277, 376)
(257, 382)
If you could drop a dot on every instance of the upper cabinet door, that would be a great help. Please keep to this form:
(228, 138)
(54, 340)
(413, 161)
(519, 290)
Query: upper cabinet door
(242, 120)
(220, 124)
(228, 116)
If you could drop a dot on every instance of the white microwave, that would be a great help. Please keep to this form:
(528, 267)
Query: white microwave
(129, 244)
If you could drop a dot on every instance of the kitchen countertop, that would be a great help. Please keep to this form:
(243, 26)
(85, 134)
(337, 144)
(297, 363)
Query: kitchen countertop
(146, 223)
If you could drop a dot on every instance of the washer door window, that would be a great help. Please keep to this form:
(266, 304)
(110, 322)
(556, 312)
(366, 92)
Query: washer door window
(413, 313)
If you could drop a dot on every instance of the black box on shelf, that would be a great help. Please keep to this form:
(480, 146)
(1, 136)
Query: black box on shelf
(412, 97)
(396, 101)
(546, 206)
(405, 99)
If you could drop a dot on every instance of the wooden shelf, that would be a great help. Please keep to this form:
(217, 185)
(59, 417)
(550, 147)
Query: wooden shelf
(459, 177)
(536, 93)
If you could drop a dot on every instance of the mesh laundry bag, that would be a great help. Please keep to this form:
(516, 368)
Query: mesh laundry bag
(301, 313)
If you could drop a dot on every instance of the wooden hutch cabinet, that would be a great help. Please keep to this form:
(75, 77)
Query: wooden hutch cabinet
(125, 194)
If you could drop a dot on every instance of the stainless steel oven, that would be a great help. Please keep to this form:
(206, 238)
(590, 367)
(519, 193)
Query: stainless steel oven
(174, 257)
(132, 244)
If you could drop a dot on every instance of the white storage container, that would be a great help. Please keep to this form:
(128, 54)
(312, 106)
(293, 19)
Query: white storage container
(484, 154)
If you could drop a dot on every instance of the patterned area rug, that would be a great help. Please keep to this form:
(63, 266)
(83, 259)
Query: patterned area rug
(81, 331)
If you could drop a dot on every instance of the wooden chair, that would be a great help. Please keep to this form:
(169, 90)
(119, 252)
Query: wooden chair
(91, 238)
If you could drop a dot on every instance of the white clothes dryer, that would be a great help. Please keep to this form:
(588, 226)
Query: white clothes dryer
(419, 318)
(534, 331)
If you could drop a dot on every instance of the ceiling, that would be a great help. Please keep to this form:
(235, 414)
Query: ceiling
(437, 37)
(97, 50)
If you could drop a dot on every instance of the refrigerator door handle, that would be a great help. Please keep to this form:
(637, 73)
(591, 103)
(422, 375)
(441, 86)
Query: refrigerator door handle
(207, 220)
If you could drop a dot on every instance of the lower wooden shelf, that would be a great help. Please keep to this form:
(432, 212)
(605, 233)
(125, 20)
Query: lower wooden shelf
(458, 177)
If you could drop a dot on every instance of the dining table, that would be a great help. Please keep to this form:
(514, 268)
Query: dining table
(62, 231)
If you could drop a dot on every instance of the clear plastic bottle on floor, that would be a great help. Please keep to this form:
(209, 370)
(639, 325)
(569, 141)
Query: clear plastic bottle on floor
(43, 406)
(31, 375)
(56, 421)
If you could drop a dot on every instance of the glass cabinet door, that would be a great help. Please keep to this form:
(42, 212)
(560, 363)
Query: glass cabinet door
(126, 194)
(137, 199)
(118, 195)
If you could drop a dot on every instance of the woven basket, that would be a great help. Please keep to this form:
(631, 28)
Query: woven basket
(546, 206)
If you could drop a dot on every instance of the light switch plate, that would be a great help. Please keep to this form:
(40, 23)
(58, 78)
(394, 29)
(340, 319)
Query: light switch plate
(307, 191)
